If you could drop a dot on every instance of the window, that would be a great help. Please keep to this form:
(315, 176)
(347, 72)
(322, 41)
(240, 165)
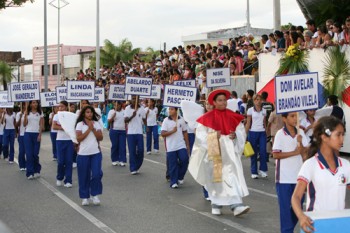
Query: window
(42, 70)
(54, 69)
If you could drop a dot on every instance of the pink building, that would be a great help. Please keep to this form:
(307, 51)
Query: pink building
(38, 62)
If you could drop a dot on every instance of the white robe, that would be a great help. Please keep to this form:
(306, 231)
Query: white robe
(233, 187)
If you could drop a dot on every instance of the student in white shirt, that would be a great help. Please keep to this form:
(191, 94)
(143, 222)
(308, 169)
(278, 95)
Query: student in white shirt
(289, 149)
(33, 121)
(89, 159)
(174, 130)
(134, 118)
(325, 175)
(308, 123)
(53, 132)
(82, 104)
(9, 120)
(152, 127)
(117, 135)
(65, 150)
(21, 130)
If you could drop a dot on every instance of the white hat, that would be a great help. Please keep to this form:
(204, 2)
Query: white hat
(159, 63)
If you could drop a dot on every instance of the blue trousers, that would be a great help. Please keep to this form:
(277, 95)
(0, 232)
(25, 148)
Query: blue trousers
(21, 152)
(288, 219)
(1, 141)
(89, 175)
(191, 137)
(118, 149)
(135, 145)
(258, 141)
(152, 130)
(53, 136)
(178, 163)
(9, 140)
(65, 150)
(32, 148)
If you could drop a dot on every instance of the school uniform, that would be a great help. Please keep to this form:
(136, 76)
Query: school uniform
(1, 137)
(304, 123)
(191, 137)
(117, 135)
(89, 163)
(175, 145)
(53, 136)
(152, 127)
(286, 173)
(65, 151)
(326, 189)
(31, 144)
(21, 149)
(9, 137)
(135, 137)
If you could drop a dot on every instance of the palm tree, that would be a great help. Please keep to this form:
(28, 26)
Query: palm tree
(151, 54)
(5, 74)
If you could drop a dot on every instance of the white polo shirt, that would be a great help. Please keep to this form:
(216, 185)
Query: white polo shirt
(61, 134)
(257, 119)
(286, 170)
(135, 125)
(33, 125)
(21, 128)
(175, 141)
(118, 123)
(52, 130)
(326, 189)
(2, 128)
(304, 123)
(10, 121)
(89, 146)
(152, 116)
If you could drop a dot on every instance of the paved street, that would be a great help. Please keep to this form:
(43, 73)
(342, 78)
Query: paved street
(141, 203)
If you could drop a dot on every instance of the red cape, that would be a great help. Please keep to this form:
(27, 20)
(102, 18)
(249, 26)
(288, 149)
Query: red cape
(225, 121)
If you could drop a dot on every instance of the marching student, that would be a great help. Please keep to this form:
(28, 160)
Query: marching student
(33, 121)
(53, 132)
(152, 127)
(89, 159)
(289, 149)
(82, 104)
(9, 121)
(65, 150)
(174, 130)
(2, 112)
(325, 175)
(117, 135)
(21, 131)
(308, 123)
(134, 116)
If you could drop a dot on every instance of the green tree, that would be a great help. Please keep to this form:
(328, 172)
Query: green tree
(12, 3)
(151, 54)
(5, 74)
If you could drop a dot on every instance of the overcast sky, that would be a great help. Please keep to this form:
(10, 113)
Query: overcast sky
(144, 22)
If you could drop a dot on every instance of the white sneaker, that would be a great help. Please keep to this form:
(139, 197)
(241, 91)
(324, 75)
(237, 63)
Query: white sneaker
(263, 174)
(156, 151)
(54, 159)
(74, 165)
(207, 198)
(36, 175)
(181, 182)
(96, 200)
(148, 152)
(134, 173)
(22, 169)
(122, 164)
(31, 177)
(115, 163)
(175, 186)
(255, 176)
(240, 210)
(59, 183)
(215, 211)
(10, 162)
(68, 185)
(85, 202)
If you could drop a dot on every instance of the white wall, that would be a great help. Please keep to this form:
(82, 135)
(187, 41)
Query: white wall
(71, 61)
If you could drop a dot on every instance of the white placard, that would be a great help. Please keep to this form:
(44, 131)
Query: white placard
(4, 103)
(116, 92)
(61, 95)
(99, 95)
(186, 83)
(138, 86)
(218, 77)
(24, 91)
(155, 93)
(48, 99)
(296, 92)
(174, 94)
(80, 90)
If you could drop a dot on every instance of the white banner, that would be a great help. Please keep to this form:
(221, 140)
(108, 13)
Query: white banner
(24, 91)
(61, 95)
(4, 103)
(138, 86)
(218, 77)
(186, 83)
(99, 95)
(116, 92)
(296, 92)
(80, 90)
(48, 99)
(155, 93)
(174, 94)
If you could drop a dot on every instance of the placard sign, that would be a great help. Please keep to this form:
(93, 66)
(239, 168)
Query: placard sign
(24, 91)
(138, 86)
(80, 90)
(155, 93)
(174, 94)
(4, 103)
(48, 99)
(99, 95)
(186, 83)
(296, 92)
(116, 92)
(218, 77)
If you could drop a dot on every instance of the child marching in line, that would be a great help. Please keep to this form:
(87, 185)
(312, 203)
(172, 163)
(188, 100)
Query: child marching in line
(89, 159)
(53, 132)
(289, 148)
(9, 121)
(324, 175)
(152, 127)
(308, 123)
(21, 130)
